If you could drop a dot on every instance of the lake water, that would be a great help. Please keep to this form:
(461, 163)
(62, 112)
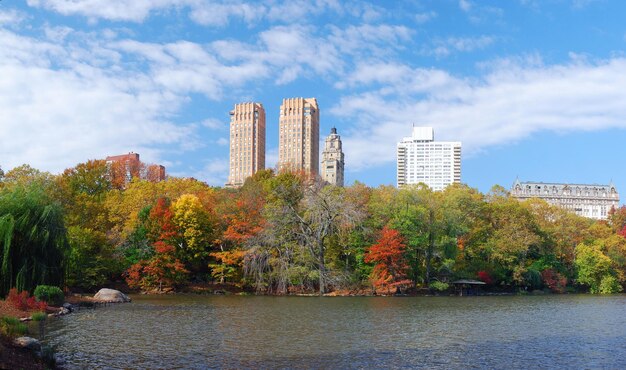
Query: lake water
(198, 332)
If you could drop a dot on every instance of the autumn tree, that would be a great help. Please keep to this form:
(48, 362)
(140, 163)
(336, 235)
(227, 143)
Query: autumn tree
(92, 259)
(163, 268)
(26, 175)
(241, 219)
(302, 215)
(595, 270)
(388, 255)
(513, 236)
(196, 230)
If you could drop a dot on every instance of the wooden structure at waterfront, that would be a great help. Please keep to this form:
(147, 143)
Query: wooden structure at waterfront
(467, 286)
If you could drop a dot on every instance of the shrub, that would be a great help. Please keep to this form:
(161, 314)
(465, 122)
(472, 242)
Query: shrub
(485, 277)
(23, 301)
(12, 327)
(39, 316)
(51, 294)
(439, 286)
(554, 281)
(609, 285)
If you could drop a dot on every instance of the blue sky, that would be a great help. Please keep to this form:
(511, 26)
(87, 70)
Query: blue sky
(534, 89)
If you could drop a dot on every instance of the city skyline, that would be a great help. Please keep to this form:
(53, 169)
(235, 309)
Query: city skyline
(533, 89)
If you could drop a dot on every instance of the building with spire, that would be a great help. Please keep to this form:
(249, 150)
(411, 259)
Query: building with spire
(332, 159)
(247, 142)
(591, 201)
(299, 135)
(421, 159)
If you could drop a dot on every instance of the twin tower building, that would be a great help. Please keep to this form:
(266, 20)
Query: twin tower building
(298, 142)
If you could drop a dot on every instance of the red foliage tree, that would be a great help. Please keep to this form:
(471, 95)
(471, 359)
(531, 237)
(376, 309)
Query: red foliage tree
(391, 263)
(622, 232)
(485, 277)
(553, 280)
(163, 269)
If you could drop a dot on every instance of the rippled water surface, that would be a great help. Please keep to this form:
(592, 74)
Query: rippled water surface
(198, 332)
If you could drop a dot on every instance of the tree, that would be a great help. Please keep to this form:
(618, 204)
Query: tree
(32, 239)
(91, 261)
(195, 228)
(594, 269)
(163, 268)
(513, 236)
(302, 215)
(89, 178)
(26, 175)
(391, 266)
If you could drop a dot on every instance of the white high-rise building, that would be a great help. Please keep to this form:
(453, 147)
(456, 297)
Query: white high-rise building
(332, 159)
(421, 159)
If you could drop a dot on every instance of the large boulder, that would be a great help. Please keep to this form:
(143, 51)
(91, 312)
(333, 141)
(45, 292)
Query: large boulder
(27, 342)
(111, 296)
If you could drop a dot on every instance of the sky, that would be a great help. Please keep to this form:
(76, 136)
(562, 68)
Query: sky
(534, 90)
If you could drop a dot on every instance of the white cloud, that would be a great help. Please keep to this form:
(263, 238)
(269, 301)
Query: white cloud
(282, 52)
(222, 141)
(369, 39)
(215, 13)
(114, 10)
(465, 5)
(215, 172)
(425, 17)
(10, 17)
(219, 14)
(445, 47)
(66, 103)
(214, 123)
(510, 102)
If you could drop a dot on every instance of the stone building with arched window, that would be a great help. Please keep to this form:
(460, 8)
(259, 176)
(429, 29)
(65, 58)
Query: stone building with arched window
(592, 201)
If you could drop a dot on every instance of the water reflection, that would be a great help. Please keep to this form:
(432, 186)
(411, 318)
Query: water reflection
(347, 332)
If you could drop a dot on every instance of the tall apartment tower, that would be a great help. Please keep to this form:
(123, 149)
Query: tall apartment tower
(332, 159)
(422, 159)
(247, 142)
(299, 135)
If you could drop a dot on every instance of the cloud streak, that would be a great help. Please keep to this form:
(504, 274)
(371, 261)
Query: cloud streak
(510, 102)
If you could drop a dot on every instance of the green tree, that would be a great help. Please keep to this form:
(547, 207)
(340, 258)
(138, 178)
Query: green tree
(32, 239)
(513, 236)
(594, 269)
(91, 261)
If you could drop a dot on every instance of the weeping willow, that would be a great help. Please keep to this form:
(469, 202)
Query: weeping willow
(32, 240)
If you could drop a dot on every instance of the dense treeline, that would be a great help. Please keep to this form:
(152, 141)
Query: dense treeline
(284, 234)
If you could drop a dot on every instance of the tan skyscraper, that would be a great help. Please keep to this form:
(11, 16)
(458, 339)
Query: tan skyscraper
(332, 159)
(247, 142)
(299, 135)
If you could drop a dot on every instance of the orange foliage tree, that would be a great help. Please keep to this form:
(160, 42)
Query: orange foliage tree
(241, 219)
(163, 269)
(391, 264)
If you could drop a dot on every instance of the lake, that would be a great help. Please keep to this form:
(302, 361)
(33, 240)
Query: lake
(199, 332)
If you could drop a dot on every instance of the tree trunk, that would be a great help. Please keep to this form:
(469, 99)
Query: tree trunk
(322, 268)
(431, 244)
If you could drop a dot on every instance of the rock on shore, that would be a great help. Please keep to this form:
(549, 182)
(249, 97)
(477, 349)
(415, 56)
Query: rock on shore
(27, 342)
(111, 296)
